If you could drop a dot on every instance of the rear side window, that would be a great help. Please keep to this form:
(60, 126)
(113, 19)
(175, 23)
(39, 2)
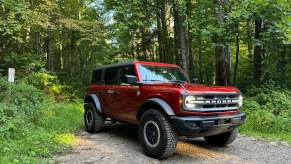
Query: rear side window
(97, 76)
(110, 76)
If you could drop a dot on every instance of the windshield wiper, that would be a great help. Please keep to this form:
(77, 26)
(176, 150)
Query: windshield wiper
(177, 81)
(154, 80)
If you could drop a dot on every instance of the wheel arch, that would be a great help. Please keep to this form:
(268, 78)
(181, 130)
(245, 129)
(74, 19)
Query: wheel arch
(92, 98)
(155, 103)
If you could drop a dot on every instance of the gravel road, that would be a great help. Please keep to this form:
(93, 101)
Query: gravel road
(119, 143)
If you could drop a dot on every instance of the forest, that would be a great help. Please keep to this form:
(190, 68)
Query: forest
(55, 44)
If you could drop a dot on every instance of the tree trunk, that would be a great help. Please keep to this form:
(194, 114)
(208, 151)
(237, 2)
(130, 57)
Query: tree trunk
(249, 38)
(221, 76)
(257, 50)
(191, 59)
(132, 49)
(220, 50)
(2, 55)
(165, 39)
(159, 30)
(145, 34)
(176, 40)
(48, 51)
(144, 44)
(179, 20)
(71, 54)
(228, 53)
(200, 57)
(236, 58)
(283, 67)
(190, 39)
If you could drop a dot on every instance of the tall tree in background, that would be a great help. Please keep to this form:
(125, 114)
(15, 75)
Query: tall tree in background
(162, 31)
(258, 49)
(221, 50)
(181, 35)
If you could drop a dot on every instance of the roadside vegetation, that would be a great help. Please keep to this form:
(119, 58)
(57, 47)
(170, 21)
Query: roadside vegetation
(36, 119)
(268, 113)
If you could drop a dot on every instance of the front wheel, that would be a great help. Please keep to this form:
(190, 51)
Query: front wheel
(157, 137)
(93, 119)
(222, 139)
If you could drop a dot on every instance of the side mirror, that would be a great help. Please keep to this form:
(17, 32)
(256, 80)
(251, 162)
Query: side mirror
(129, 79)
(195, 80)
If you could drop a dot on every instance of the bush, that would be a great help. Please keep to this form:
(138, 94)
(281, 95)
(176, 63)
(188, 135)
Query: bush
(32, 124)
(268, 113)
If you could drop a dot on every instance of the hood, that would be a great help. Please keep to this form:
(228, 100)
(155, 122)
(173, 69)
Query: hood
(207, 89)
(193, 88)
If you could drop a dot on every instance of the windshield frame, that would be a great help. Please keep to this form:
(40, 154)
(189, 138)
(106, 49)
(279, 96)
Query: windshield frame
(138, 68)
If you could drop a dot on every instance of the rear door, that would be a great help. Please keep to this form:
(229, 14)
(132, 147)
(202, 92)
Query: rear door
(110, 77)
(97, 85)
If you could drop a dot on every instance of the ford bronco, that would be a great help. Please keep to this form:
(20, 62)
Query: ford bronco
(159, 98)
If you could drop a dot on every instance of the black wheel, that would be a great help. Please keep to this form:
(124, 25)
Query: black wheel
(93, 119)
(156, 135)
(222, 139)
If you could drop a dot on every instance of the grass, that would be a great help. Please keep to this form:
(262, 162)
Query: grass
(34, 122)
(268, 116)
(278, 136)
(50, 134)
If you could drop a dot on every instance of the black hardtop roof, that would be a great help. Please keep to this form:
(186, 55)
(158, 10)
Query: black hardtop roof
(120, 64)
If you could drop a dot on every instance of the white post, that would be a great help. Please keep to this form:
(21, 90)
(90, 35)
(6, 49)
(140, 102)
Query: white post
(11, 76)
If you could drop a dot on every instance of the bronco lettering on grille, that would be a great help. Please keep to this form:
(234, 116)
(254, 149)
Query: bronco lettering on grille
(219, 101)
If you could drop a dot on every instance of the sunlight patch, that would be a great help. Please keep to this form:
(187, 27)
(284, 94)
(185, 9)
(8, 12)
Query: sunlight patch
(67, 139)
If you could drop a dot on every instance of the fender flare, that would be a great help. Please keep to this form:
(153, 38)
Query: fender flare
(95, 100)
(167, 109)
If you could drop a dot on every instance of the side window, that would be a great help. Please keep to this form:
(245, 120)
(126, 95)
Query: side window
(96, 78)
(110, 76)
(128, 70)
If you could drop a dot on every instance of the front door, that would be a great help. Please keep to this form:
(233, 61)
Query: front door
(125, 96)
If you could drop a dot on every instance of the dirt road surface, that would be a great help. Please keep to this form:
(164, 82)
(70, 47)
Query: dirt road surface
(119, 143)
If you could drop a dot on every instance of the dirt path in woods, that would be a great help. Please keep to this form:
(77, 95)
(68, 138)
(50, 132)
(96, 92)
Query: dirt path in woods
(119, 143)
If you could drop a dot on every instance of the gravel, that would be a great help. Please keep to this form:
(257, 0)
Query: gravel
(119, 143)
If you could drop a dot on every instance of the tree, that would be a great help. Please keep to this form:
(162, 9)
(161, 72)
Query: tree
(181, 35)
(221, 50)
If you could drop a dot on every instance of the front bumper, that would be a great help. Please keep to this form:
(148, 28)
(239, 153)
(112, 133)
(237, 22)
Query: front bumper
(199, 126)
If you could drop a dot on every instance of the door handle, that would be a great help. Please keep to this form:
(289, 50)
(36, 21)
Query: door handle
(100, 91)
(112, 92)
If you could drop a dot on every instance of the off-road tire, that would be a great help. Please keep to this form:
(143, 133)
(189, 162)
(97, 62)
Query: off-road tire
(222, 139)
(156, 122)
(93, 119)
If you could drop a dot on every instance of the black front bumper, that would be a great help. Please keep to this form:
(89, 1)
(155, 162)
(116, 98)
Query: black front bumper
(199, 126)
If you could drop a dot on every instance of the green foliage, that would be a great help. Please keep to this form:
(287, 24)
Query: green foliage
(23, 63)
(32, 124)
(268, 113)
(45, 81)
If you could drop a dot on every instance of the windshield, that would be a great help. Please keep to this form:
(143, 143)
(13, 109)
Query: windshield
(161, 73)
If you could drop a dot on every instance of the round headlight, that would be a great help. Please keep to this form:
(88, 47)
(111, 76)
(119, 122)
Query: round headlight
(240, 101)
(190, 102)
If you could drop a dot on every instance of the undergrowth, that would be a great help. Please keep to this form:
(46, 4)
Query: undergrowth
(268, 113)
(37, 119)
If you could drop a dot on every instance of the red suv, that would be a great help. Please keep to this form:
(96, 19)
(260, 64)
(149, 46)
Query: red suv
(159, 98)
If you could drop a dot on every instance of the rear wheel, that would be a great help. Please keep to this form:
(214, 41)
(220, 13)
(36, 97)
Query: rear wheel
(157, 137)
(222, 139)
(93, 119)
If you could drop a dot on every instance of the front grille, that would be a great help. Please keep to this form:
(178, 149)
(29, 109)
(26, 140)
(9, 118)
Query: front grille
(216, 102)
